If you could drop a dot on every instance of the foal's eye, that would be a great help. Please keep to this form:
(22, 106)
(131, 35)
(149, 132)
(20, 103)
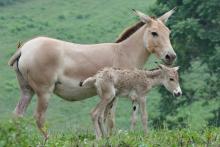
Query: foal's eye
(154, 34)
(171, 79)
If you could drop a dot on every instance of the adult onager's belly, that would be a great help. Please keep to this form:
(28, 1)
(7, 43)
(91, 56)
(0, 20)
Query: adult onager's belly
(73, 92)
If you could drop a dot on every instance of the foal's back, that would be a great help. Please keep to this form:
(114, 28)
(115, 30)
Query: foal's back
(123, 81)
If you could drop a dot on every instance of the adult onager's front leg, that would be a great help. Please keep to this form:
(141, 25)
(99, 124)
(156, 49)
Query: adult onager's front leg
(42, 104)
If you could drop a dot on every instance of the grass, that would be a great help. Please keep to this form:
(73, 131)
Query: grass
(23, 133)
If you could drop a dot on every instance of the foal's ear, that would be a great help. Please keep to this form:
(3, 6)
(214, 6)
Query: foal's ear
(166, 16)
(176, 68)
(161, 66)
(144, 18)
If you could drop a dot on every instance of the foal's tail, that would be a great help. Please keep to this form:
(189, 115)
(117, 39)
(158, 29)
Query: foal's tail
(89, 82)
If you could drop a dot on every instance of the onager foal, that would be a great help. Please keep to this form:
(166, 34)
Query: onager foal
(112, 82)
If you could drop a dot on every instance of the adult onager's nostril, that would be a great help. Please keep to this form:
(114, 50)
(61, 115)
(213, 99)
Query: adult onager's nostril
(170, 57)
(167, 57)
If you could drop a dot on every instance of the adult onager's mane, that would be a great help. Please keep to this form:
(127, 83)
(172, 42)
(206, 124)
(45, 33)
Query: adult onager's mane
(129, 31)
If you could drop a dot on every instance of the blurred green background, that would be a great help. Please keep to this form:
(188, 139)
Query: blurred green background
(195, 37)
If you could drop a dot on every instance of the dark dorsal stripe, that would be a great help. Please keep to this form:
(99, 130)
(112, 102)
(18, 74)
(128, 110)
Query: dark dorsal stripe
(129, 31)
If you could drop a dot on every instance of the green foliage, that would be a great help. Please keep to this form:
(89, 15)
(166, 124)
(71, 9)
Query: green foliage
(19, 133)
(196, 39)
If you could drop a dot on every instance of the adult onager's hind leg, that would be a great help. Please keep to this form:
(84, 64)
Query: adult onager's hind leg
(26, 93)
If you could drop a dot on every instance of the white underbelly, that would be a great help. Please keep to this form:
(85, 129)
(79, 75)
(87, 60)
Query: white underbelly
(70, 90)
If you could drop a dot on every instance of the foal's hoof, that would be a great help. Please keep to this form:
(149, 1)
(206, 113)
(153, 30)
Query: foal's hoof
(46, 137)
(16, 115)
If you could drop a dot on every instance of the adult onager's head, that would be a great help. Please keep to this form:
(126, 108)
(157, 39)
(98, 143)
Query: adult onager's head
(171, 79)
(156, 36)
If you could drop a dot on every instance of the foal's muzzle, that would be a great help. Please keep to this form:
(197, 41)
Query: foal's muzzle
(177, 92)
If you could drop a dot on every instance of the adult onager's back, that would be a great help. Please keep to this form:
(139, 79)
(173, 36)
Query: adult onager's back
(45, 65)
(112, 82)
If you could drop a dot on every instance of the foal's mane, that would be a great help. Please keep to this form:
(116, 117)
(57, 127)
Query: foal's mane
(129, 31)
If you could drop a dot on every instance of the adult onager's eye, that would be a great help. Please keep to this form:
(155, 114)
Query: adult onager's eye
(154, 34)
(171, 79)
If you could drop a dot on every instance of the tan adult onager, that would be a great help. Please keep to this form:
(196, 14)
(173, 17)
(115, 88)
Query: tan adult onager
(44, 65)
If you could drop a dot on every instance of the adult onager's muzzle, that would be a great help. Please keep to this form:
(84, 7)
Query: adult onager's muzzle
(169, 58)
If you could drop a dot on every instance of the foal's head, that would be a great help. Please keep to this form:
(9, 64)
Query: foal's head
(170, 79)
(156, 37)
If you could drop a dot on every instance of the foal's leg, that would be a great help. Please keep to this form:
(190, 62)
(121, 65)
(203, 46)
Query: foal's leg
(98, 118)
(26, 93)
(135, 107)
(110, 116)
(106, 98)
(42, 104)
(144, 117)
(106, 92)
(95, 114)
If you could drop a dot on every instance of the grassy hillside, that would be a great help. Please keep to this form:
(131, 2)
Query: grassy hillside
(15, 134)
(76, 21)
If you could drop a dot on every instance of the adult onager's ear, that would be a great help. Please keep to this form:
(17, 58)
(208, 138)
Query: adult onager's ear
(166, 16)
(144, 18)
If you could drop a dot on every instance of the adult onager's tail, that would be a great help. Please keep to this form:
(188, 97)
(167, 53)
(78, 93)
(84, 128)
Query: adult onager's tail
(89, 82)
(16, 55)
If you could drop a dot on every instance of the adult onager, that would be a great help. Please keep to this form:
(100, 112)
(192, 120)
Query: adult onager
(44, 65)
(113, 82)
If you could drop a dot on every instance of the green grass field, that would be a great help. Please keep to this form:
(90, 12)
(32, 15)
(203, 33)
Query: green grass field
(69, 123)
(17, 133)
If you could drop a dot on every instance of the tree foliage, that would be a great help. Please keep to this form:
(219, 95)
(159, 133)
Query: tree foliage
(196, 38)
